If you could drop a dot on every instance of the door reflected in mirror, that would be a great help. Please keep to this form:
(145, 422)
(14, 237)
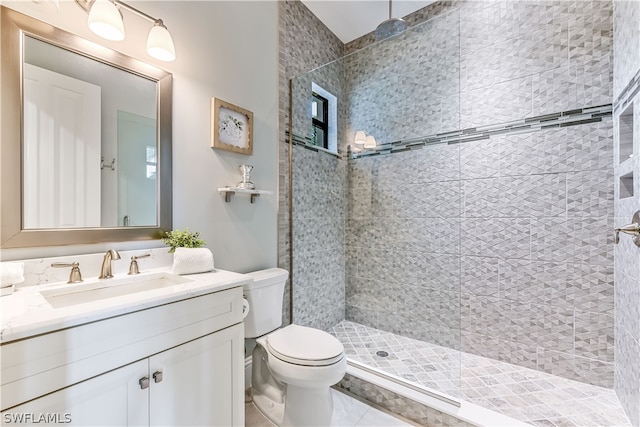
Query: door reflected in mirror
(86, 140)
(90, 142)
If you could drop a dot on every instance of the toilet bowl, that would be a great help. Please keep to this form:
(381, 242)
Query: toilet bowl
(293, 367)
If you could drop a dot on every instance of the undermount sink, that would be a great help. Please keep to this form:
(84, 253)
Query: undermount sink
(110, 288)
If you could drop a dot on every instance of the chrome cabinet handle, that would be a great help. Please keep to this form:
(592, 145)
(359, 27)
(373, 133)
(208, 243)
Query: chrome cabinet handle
(157, 376)
(144, 382)
(632, 229)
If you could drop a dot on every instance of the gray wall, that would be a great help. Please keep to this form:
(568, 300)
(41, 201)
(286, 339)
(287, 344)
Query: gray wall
(500, 246)
(627, 256)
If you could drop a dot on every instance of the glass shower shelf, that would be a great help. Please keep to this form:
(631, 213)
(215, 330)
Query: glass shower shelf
(230, 191)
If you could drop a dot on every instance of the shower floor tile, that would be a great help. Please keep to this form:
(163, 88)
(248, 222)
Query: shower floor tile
(531, 396)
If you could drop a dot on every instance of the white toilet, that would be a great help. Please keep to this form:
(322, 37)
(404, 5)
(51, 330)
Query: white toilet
(293, 367)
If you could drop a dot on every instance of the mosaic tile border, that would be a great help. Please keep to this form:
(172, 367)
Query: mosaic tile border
(526, 125)
(628, 94)
(302, 141)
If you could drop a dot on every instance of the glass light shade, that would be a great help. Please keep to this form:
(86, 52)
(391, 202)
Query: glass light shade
(360, 138)
(370, 142)
(105, 20)
(160, 43)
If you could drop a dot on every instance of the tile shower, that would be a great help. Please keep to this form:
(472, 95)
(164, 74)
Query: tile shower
(497, 246)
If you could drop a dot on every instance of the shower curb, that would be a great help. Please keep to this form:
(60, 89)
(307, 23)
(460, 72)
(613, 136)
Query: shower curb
(416, 404)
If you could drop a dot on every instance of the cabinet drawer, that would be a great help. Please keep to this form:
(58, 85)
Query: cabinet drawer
(35, 366)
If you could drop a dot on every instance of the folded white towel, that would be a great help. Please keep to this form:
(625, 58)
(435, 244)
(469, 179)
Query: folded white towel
(11, 273)
(192, 260)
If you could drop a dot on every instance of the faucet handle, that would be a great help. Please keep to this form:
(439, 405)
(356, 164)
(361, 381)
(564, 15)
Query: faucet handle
(133, 267)
(75, 276)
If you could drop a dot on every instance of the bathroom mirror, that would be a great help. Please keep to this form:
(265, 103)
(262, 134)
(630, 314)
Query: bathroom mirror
(86, 140)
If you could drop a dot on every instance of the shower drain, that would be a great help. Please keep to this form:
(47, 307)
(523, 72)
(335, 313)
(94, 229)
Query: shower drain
(382, 353)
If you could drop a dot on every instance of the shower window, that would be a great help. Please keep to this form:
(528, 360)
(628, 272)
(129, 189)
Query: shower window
(320, 120)
(324, 116)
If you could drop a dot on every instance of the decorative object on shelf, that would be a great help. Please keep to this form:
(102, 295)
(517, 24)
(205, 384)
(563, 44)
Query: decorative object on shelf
(246, 178)
(182, 239)
(230, 191)
(231, 127)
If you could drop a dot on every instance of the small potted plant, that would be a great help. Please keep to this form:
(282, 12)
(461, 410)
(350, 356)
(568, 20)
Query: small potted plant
(182, 239)
(189, 256)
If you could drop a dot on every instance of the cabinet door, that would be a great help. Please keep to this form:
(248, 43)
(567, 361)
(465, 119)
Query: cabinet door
(202, 382)
(111, 399)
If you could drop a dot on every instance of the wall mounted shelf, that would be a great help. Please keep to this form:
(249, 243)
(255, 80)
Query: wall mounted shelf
(230, 191)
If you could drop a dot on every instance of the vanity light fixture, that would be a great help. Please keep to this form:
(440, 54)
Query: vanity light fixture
(105, 19)
(160, 43)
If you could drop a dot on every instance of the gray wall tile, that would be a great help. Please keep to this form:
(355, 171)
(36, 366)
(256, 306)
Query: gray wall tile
(627, 255)
(502, 245)
(532, 209)
(627, 42)
(502, 102)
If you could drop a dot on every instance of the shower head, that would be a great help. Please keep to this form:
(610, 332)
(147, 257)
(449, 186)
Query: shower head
(390, 27)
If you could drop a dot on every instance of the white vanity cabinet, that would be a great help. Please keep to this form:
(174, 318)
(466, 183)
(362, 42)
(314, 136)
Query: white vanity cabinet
(111, 399)
(180, 363)
(197, 383)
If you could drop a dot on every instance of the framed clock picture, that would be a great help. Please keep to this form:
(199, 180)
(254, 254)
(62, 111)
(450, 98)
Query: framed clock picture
(231, 127)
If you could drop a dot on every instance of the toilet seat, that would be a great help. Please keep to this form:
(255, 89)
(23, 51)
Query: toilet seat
(305, 346)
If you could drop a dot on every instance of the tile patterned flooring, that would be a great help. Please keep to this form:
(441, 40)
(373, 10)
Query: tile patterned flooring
(531, 396)
(347, 412)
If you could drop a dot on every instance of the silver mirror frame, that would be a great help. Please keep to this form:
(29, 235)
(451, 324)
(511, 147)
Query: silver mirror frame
(14, 26)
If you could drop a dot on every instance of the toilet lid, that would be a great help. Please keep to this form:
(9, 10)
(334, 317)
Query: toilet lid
(305, 346)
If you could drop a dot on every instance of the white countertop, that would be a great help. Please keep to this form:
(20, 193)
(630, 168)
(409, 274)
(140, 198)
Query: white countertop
(26, 312)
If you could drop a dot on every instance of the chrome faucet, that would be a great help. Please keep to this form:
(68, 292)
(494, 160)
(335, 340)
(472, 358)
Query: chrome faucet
(105, 270)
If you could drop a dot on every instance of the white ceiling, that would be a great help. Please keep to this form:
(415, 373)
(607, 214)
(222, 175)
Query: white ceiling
(350, 19)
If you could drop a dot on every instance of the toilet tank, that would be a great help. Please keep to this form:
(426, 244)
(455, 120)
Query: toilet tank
(265, 295)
